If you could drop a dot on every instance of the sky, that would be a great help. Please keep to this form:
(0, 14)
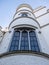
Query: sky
(8, 9)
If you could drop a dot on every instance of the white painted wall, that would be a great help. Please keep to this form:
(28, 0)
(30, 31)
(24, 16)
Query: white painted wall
(42, 41)
(40, 12)
(45, 32)
(25, 20)
(4, 46)
(43, 19)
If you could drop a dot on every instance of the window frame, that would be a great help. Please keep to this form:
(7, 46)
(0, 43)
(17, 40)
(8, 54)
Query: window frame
(20, 36)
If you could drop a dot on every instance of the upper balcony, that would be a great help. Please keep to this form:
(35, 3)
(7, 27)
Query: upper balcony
(24, 9)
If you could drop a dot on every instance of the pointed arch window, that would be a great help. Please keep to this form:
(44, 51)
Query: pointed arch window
(24, 14)
(24, 41)
(15, 41)
(33, 41)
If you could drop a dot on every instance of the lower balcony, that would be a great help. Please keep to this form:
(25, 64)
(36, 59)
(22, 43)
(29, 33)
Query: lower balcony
(24, 58)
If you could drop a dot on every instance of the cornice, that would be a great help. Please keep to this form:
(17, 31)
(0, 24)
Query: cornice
(25, 25)
(38, 54)
(41, 15)
(24, 17)
(38, 9)
(44, 25)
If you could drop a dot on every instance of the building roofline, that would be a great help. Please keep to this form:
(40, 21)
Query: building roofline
(41, 15)
(24, 5)
(36, 10)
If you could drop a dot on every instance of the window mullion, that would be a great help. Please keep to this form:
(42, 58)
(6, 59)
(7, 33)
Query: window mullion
(20, 39)
(29, 41)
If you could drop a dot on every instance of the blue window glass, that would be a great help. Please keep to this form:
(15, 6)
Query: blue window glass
(24, 41)
(24, 15)
(24, 44)
(15, 41)
(33, 41)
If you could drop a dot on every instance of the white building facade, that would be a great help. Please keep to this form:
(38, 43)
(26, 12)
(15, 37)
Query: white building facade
(27, 39)
(1, 34)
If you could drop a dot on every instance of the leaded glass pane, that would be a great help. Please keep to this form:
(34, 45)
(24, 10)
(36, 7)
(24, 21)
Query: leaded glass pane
(15, 41)
(33, 41)
(33, 48)
(24, 41)
(32, 33)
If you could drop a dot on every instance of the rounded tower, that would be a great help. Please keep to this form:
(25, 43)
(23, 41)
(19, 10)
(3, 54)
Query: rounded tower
(23, 43)
(24, 16)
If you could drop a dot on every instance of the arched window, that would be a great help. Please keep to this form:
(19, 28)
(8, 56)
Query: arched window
(24, 41)
(15, 41)
(24, 14)
(33, 41)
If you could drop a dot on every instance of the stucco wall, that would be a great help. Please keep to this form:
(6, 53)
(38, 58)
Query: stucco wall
(24, 60)
(27, 21)
(43, 19)
(40, 12)
(42, 41)
(4, 46)
(45, 32)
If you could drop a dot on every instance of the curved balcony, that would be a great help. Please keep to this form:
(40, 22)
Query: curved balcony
(24, 57)
(24, 21)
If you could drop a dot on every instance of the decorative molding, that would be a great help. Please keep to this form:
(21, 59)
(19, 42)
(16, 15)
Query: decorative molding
(38, 54)
(39, 32)
(25, 17)
(42, 15)
(23, 10)
(25, 25)
(44, 25)
(38, 9)
(24, 5)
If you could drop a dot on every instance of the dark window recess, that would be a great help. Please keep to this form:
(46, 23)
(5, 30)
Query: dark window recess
(24, 14)
(33, 41)
(24, 41)
(15, 41)
(24, 44)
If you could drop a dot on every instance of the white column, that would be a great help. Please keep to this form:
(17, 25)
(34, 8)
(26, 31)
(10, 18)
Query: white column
(29, 41)
(20, 39)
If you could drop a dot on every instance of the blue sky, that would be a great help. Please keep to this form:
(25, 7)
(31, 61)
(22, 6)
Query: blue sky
(8, 8)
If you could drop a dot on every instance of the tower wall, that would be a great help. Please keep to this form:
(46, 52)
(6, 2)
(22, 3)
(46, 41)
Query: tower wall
(26, 20)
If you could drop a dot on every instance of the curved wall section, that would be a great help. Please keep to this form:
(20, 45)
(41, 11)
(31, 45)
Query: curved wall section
(24, 6)
(24, 20)
(19, 14)
(24, 59)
